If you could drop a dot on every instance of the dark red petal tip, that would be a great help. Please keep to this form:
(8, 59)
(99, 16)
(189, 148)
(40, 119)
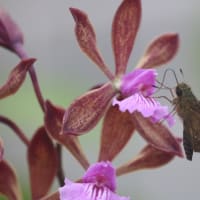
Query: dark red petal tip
(16, 78)
(160, 51)
(10, 33)
(9, 185)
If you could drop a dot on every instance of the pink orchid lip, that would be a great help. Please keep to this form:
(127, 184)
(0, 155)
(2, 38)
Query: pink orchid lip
(87, 191)
(90, 188)
(147, 106)
(102, 173)
(137, 87)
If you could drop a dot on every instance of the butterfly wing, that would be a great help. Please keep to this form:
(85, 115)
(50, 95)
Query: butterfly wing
(187, 141)
(195, 128)
(191, 132)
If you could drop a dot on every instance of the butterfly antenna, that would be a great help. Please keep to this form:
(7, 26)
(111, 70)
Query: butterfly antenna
(162, 85)
(181, 71)
(171, 70)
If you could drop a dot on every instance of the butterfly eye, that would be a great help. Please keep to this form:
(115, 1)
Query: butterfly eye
(178, 91)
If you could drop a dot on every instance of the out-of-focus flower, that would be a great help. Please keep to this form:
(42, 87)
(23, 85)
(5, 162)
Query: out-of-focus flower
(132, 90)
(16, 78)
(11, 38)
(9, 185)
(10, 33)
(98, 183)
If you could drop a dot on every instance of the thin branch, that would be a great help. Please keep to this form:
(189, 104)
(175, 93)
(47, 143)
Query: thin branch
(23, 55)
(15, 128)
(60, 173)
(164, 97)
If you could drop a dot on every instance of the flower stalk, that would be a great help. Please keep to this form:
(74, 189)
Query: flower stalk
(23, 55)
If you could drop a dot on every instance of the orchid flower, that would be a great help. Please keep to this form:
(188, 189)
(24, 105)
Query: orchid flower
(98, 183)
(131, 91)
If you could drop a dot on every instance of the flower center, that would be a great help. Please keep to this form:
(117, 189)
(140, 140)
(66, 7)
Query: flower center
(117, 82)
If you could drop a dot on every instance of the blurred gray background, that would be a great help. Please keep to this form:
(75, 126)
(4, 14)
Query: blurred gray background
(64, 73)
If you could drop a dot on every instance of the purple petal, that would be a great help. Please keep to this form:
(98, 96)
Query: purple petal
(170, 119)
(87, 191)
(161, 113)
(148, 107)
(102, 174)
(139, 80)
(98, 183)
